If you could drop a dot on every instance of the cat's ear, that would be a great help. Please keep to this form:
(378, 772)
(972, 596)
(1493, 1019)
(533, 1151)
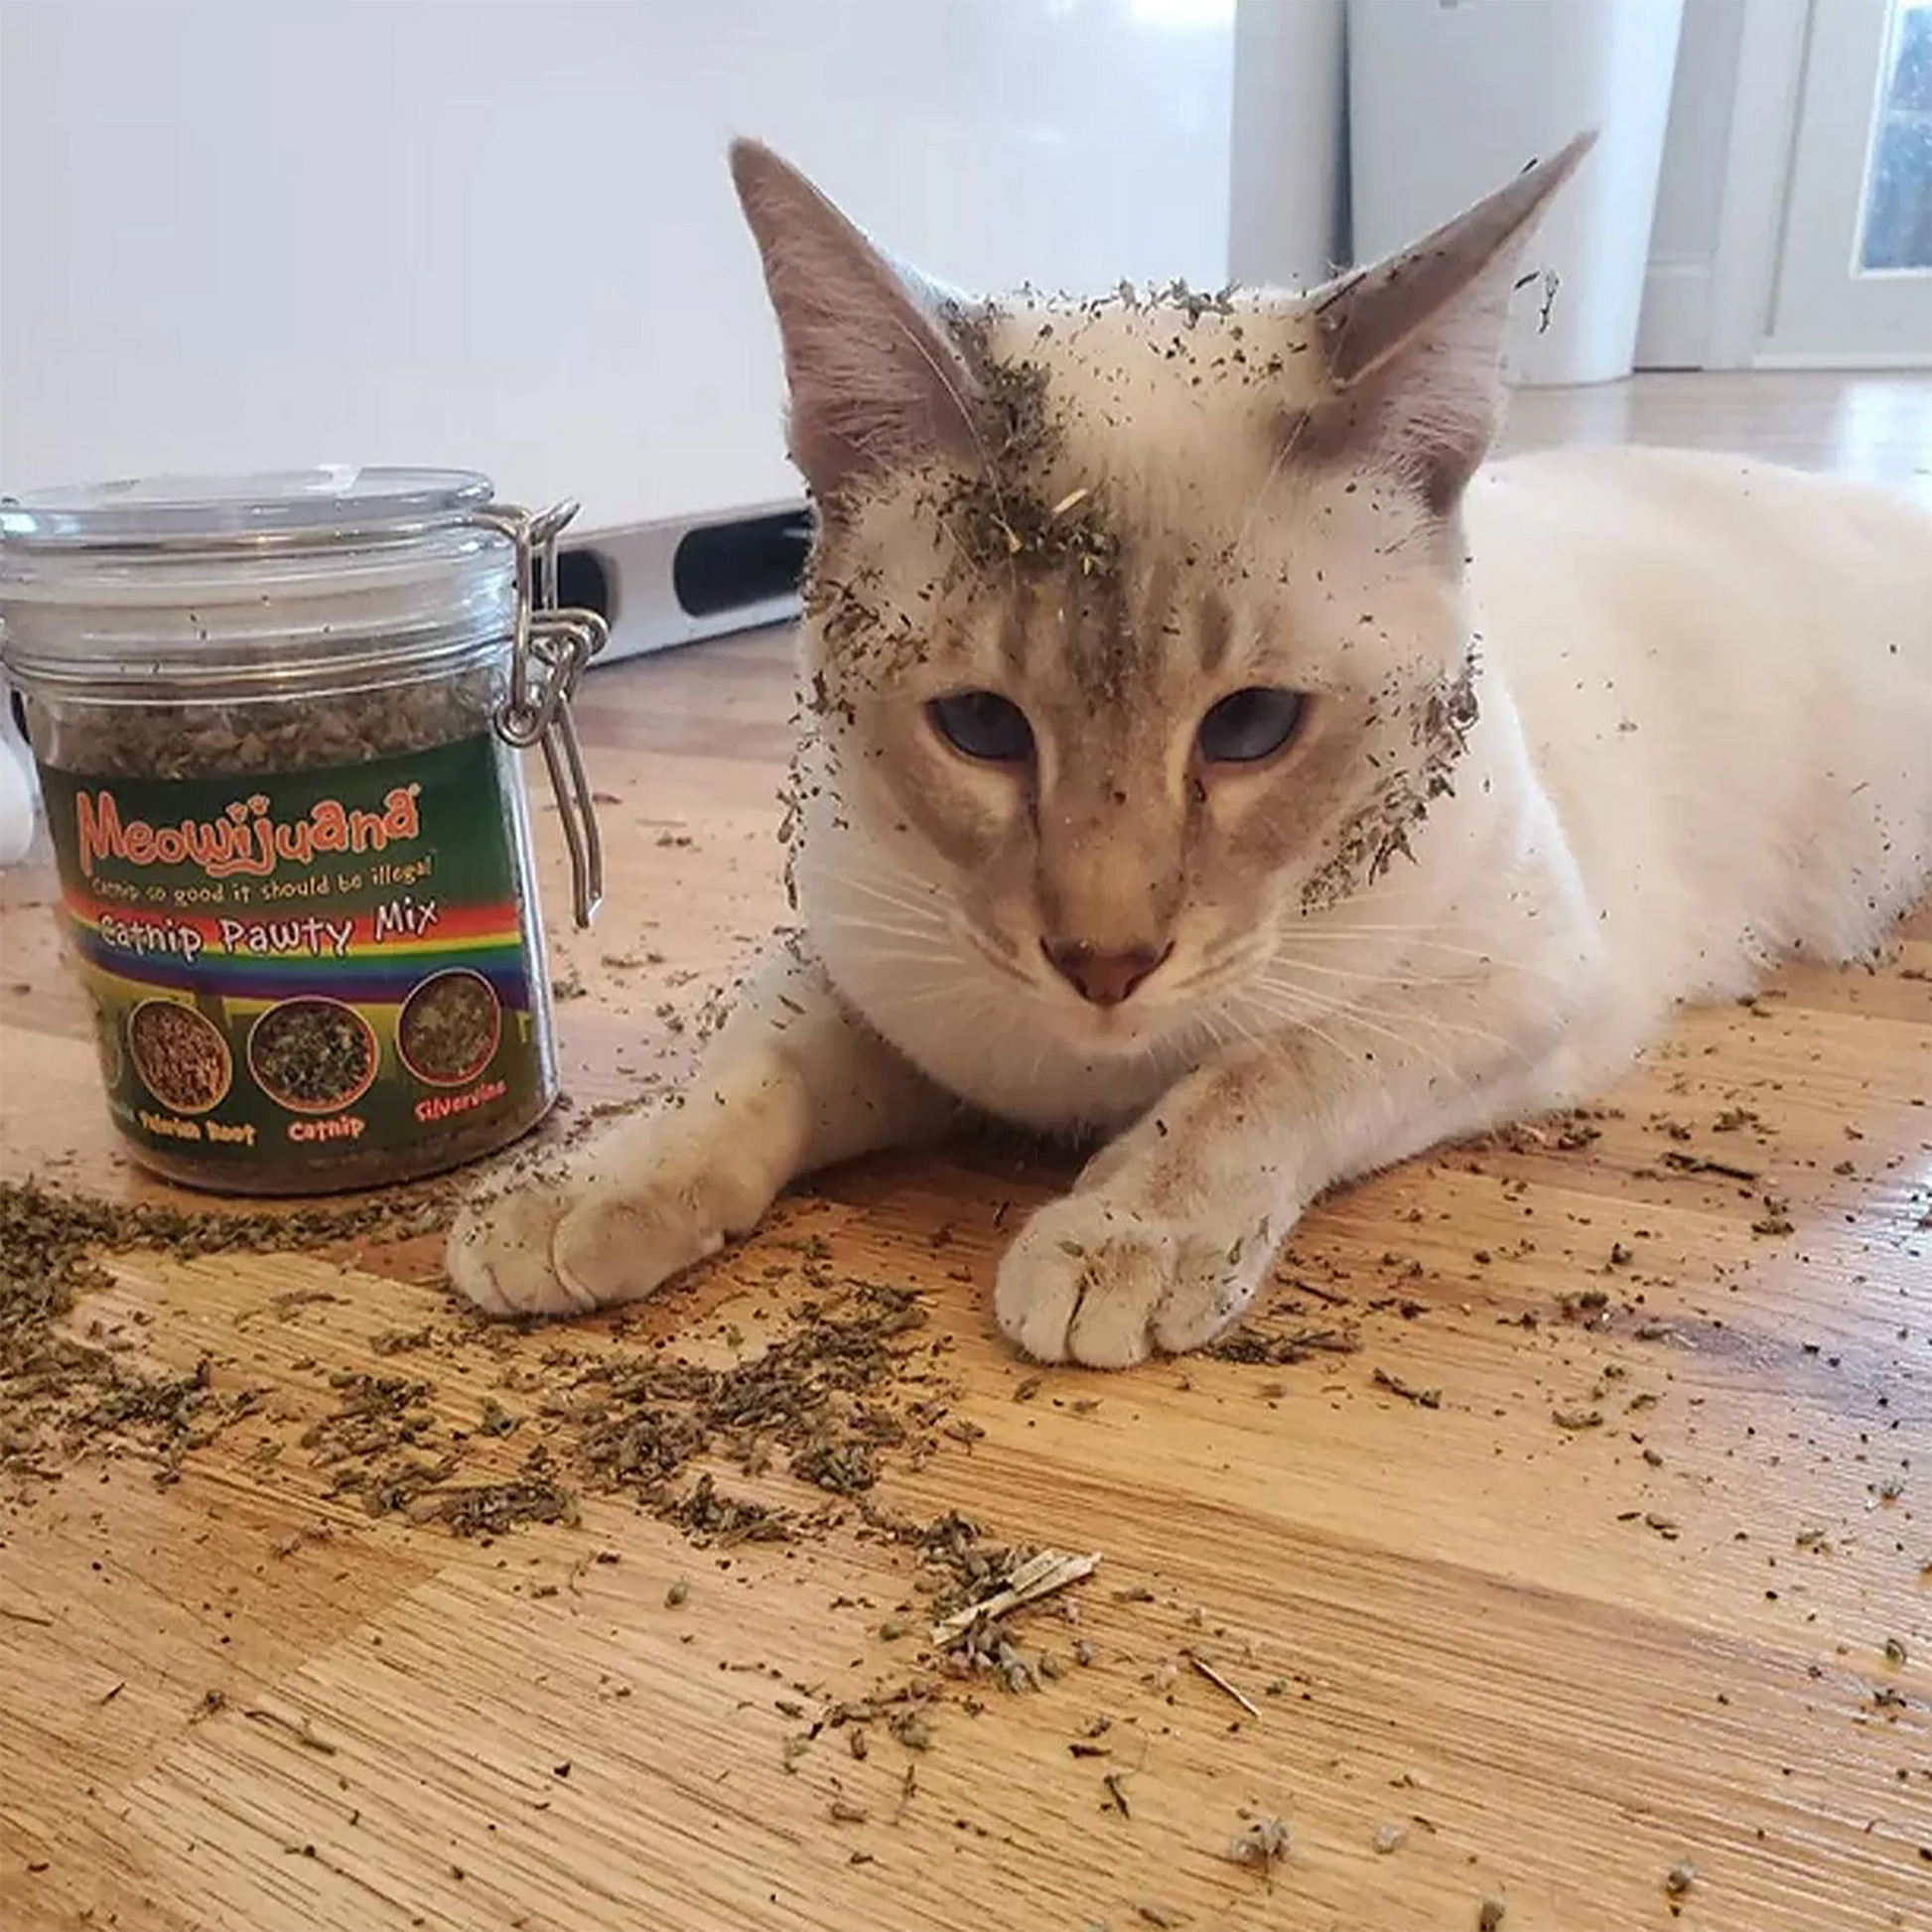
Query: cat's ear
(876, 381)
(1414, 345)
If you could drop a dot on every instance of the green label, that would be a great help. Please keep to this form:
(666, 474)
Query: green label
(286, 965)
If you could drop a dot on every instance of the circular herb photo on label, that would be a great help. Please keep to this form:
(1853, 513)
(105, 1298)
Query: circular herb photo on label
(313, 1055)
(180, 1055)
(107, 1036)
(449, 1027)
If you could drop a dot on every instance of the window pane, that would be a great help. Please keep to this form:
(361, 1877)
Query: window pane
(1898, 181)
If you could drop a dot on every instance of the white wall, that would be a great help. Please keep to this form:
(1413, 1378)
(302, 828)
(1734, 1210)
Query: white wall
(260, 232)
(1287, 213)
(1676, 324)
(1289, 174)
(239, 233)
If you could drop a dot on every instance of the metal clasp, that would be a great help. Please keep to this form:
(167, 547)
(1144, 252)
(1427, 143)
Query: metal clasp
(549, 650)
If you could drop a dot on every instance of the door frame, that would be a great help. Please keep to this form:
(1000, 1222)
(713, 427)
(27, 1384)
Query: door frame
(1755, 197)
(1756, 180)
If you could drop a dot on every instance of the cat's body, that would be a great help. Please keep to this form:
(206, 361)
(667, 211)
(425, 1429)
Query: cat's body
(1725, 672)
(1203, 753)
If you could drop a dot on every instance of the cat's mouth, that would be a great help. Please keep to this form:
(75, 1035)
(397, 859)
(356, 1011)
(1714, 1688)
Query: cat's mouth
(1123, 1029)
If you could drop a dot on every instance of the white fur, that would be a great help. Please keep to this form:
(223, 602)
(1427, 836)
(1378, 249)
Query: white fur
(1724, 671)
(1705, 742)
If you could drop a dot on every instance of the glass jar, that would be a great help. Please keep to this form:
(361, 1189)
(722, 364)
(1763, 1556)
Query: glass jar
(276, 721)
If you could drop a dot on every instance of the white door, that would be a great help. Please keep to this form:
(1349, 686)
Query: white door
(1855, 280)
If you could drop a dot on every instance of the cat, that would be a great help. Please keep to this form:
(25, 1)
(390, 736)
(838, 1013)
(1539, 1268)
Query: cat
(1208, 750)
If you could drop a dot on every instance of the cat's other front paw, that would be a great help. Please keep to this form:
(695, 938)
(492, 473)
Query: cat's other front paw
(1094, 1281)
(557, 1245)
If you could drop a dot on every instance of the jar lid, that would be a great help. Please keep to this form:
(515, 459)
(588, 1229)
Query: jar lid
(302, 586)
(255, 583)
(335, 499)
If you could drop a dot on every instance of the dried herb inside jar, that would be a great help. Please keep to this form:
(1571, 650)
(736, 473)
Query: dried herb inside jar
(205, 739)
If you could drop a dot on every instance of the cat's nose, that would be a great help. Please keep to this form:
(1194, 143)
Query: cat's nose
(1104, 978)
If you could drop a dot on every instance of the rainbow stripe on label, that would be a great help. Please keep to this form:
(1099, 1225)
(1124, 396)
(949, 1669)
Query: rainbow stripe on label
(284, 950)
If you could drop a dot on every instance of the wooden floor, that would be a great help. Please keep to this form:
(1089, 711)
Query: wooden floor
(1605, 1551)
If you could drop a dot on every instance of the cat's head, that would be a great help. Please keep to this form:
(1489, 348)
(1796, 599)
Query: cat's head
(1134, 626)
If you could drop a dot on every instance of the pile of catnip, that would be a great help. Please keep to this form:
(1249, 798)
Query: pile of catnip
(62, 1392)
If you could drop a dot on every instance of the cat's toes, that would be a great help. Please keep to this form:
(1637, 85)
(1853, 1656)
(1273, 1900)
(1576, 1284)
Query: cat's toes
(552, 1247)
(1081, 1284)
(500, 1250)
(1093, 1281)
(1208, 1291)
(617, 1247)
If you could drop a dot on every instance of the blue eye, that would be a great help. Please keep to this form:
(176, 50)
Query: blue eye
(1249, 726)
(983, 724)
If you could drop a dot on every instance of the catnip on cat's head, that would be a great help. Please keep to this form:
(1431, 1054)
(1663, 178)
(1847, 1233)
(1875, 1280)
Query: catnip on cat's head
(1134, 627)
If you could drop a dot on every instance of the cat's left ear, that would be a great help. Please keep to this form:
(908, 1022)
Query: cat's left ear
(876, 380)
(1414, 344)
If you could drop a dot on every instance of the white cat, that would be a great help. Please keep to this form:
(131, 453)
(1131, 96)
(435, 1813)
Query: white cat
(1203, 752)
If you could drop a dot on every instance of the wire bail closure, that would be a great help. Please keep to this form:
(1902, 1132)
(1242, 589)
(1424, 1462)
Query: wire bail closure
(552, 644)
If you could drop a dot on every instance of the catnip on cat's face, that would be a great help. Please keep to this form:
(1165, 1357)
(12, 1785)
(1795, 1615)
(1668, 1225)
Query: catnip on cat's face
(1131, 737)
(1135, 633)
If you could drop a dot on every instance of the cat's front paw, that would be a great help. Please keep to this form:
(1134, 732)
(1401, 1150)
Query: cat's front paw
(500, 1248)
(573, 1240)
(1094, 1281)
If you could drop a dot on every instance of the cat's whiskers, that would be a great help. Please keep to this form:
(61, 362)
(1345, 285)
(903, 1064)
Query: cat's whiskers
(1441, 1025)
(927, 906)
(974, 567)
(1224, 979)
(1401, 985)
(1219, 1027)
(1293, 972)
(1416, 935)
(1040, 1058)
(911, 911)
(1422, 938)
(1271, 1044)
(1294, 1008)
(1367, 975)
(931, 936)
(911, 955)
(946, 380)
(925, 993)
(1276, 467)
(1008, 968)
(958, 993)
(889, 887)
(920, 921)
(928, 940)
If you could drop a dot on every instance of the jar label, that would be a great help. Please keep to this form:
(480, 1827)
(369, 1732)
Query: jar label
(288, 965)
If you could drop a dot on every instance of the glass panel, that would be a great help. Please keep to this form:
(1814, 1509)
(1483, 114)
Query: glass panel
(1899, 180)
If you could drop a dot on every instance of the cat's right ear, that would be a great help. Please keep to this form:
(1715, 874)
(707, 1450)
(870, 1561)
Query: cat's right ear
(1414, 344)
(876, 383)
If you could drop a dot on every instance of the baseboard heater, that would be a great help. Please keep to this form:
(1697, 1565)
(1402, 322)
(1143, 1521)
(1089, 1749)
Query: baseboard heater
(661, 584)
